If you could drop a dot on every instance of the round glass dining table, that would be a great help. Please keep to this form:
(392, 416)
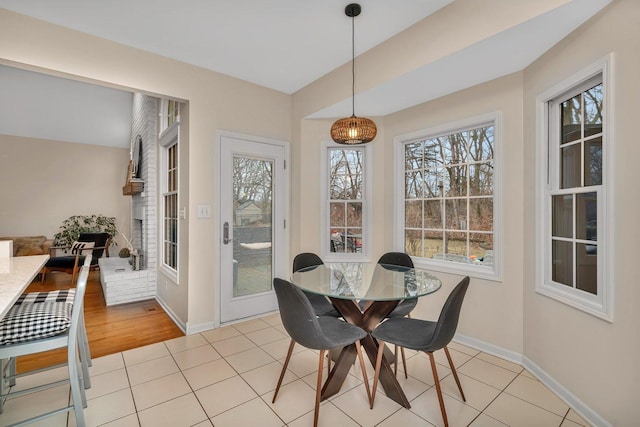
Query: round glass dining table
(364, 294)
(365, 281)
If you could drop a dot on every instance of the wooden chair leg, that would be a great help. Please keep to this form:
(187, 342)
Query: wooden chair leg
(455, 373)
(404, 362)
(438, 390)
(377, 372)
(73, 276)
(284, 369)
(364, 370)
(318, 388)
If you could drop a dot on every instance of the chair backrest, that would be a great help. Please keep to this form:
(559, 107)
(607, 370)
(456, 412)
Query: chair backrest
(78, 306)
(298, 316)
(306, 259)
(448, 320)
(101, 240)
(396, 258)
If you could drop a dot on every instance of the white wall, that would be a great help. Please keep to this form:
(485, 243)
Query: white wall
(595, 360)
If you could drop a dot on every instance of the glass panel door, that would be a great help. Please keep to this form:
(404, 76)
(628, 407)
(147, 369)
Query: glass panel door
(253, 189)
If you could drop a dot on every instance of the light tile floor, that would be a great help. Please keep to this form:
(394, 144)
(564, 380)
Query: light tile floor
(226, 377)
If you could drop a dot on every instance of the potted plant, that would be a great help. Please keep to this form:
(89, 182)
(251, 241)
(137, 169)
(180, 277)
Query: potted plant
(74, 225)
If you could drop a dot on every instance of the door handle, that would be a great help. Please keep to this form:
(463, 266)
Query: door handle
(225, 233)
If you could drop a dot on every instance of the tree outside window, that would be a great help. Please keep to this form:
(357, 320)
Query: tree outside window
(576, 188)
(448, 196)
(346, 199)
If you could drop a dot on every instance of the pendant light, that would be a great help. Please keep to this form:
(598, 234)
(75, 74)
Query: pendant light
(353, 130)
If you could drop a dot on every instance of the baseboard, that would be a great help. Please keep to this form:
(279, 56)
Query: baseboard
(500, 352)
(557, 388)
(563, 393)
(244, 319)
(171, 314)
(201, 327)
(212, 325)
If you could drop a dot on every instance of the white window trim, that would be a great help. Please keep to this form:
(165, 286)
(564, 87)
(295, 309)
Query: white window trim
(600, 306)
(482, 272)
(327, 255)
(168, 138)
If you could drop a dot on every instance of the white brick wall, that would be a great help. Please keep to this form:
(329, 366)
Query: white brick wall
(139, 285)
(126, 285)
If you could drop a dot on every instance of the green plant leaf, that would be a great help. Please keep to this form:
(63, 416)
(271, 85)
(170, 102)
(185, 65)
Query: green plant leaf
(72, 227)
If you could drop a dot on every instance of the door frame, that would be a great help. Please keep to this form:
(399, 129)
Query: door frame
(281, 263)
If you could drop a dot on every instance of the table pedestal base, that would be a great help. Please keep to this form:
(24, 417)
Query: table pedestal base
(374, 313)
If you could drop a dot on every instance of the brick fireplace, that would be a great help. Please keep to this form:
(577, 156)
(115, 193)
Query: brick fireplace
(120, 282)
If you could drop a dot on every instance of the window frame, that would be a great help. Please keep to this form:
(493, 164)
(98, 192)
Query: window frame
(547, 185)
(169, 137)
(325, 249)
(494, 272)
(166, 115)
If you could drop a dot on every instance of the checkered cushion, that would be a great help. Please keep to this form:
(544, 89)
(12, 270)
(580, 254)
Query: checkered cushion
(65, 295)
(28, 322)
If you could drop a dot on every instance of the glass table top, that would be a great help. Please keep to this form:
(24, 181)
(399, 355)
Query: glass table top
(366, 281)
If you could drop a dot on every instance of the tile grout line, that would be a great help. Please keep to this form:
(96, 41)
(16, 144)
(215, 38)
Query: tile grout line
(187, 381)
(245, 381)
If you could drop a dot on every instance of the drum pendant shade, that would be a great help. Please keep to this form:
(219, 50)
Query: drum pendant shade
(353, 130)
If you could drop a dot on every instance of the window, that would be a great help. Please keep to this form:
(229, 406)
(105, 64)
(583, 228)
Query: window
(447, 205)
(573, 202)
(345, 233)
(170, 196)
(169, 186)
(169, 113)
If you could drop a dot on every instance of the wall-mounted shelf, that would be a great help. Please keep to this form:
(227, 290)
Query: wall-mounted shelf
(133, 186)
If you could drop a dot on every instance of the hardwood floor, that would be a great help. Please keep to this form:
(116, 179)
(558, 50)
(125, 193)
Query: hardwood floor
(110, 329)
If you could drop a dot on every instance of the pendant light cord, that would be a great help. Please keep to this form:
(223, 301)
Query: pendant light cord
(353, 67)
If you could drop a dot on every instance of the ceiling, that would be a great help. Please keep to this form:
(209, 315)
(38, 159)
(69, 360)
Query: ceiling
(294, 43)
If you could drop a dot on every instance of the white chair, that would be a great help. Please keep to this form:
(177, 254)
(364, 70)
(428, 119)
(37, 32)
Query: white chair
(66, 296)
(6, 248)
(35, 328)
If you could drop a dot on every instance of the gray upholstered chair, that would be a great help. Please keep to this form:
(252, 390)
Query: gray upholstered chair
(399, 260)
(423, 335)
(318, 333)
(321, 305)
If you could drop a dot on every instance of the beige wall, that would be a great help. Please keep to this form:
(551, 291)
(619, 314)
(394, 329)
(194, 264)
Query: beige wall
(589, 359)
(45, 182)
(215, 102)
(498, 327)
(493, 309)
(596, 360)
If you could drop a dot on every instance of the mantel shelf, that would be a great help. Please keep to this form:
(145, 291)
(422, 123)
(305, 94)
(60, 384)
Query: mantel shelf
(132, 187)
